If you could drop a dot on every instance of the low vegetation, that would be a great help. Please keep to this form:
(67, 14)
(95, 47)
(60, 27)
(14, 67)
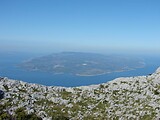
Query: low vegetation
(120, 99)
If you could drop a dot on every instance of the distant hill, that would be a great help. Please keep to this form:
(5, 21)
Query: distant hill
(130, 98)
(82, 64)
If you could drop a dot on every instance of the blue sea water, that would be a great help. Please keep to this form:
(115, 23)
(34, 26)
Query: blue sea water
(9, 62)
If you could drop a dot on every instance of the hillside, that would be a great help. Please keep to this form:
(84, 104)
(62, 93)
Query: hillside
(130, 98)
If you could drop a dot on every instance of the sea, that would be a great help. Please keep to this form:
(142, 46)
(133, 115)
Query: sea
(9, 68)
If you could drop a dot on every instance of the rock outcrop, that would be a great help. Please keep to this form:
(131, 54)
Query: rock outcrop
(136, 98)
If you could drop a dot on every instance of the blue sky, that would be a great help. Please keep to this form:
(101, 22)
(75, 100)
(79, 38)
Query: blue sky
(108, 26)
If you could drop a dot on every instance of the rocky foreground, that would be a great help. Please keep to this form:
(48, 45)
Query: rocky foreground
(131, 98)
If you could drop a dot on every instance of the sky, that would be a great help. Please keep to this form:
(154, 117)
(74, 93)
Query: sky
(108, 26)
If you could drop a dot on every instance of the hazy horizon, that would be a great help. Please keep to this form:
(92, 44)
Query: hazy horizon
(115, 27)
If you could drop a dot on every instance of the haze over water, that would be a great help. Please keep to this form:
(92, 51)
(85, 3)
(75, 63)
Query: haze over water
(112, 26)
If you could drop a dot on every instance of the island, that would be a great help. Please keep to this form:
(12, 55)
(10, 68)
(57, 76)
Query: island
(82, 64)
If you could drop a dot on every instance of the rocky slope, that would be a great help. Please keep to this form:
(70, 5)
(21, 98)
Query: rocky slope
(132, 98)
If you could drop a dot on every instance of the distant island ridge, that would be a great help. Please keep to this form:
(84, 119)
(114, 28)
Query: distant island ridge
(82, 64)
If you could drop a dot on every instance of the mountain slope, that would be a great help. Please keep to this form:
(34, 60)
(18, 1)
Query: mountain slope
(129, 98)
